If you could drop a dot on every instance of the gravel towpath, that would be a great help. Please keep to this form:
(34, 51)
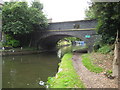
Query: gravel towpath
(90, 79)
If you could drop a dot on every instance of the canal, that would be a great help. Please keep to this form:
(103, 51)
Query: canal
(26, 71)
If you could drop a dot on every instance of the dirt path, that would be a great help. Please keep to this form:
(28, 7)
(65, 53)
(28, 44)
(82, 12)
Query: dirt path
(90, 79)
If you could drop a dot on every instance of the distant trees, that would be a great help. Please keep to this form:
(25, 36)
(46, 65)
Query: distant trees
(67, 41)
(19, 18)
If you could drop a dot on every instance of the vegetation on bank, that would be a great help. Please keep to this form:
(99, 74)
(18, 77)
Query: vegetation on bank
(19, 48)
(67, 41)
(88, 63)
(107, 16)
(104, 49)
(66, 76)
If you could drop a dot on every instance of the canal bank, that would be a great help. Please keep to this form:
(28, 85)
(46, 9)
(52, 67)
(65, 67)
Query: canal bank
(25, 51)
(66, 76)
(81, 76)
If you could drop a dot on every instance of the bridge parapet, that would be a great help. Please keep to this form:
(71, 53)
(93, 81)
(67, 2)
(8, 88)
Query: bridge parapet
(87, 29)
(82, 24)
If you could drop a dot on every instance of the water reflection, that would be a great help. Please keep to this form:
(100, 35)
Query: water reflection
(28, 70)
(70, 48)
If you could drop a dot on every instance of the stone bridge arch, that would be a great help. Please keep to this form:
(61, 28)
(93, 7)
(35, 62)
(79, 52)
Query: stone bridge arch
(49, 40)
(59, 30)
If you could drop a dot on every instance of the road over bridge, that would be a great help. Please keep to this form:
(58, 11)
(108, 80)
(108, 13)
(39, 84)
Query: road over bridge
(56, 31)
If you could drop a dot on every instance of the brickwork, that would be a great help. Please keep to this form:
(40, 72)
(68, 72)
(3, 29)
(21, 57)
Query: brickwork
(59, 30)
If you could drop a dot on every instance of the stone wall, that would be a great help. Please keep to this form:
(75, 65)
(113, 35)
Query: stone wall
(59, 30)
(72, 25)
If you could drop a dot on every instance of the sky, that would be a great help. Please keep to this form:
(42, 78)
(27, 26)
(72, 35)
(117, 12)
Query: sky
(63, 10)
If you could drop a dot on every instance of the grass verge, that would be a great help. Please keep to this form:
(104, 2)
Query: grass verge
(88, 63)
(66, 76)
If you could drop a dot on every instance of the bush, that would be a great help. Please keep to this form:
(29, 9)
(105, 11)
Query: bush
(0, 44)
(104, 49)
(96, 47)
(13, 43)
(10, 41)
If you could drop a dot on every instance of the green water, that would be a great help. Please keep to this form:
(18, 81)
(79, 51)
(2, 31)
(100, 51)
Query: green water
(26, 71)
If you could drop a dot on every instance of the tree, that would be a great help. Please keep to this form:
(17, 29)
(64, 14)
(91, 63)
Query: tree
(19, 19)
(108, 16)
(116, 55)
(108, 20)
(37, 5)
(15, 18)
(36, 10)
(90, 13)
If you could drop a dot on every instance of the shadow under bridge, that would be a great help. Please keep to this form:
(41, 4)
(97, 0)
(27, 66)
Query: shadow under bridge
(49, 41)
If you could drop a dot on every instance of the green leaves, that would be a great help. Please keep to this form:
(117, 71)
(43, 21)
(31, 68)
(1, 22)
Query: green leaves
(19, 18)
(37, 5)
(107, 14)
(10, 41)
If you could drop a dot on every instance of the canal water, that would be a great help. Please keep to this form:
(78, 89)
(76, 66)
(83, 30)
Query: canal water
(26, 71)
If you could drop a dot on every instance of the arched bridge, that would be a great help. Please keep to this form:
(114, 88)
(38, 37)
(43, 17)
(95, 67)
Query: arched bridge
(59, 30)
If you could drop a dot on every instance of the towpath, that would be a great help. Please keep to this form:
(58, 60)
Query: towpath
(91, 79)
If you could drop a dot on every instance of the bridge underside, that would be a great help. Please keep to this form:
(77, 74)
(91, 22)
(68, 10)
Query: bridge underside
(51, 41)
(48, 40)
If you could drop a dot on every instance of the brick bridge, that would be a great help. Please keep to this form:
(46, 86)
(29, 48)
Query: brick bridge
(59, 30)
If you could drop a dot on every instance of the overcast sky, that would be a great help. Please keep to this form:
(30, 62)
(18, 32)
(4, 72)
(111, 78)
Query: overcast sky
(64, 10)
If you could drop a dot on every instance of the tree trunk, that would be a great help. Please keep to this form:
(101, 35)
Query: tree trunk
(30, 42)
(30, 36)
(116, 56)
